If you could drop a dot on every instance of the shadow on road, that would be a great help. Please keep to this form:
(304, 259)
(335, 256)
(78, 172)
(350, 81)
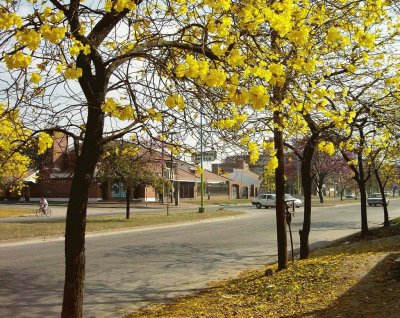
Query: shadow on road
(27, 295)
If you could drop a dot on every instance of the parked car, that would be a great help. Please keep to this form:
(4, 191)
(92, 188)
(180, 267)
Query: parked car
(297, 202)
(350, 196)
(376, 199)
(268, 200)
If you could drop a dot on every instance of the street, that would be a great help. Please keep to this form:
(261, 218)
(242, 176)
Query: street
(128, 270)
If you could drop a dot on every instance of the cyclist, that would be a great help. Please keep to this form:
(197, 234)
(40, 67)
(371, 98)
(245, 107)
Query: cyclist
(43, 204)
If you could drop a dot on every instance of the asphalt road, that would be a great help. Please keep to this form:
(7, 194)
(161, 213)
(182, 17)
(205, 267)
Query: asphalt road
(127, 270)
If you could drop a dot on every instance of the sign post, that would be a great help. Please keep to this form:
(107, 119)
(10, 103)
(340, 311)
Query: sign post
(204, 156)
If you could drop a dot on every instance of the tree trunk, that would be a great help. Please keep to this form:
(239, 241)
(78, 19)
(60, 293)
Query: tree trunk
(278, 95)
(320, 194)
(382, 191)
(76, 215)
(363, 198)
(305, 231)
(128, 201)
(386, 221)
(306, 182)
(280, 195)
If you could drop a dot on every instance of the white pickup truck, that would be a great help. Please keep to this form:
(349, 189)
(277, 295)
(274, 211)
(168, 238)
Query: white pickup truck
(376, 199)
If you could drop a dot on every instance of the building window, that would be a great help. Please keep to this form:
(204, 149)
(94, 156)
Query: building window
(117, 190)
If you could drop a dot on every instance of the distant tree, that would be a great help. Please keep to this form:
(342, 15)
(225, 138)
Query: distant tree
(384, 151)
(293, 174)
(360, 168)
(125, 163)
(325, 167)
(343, 179)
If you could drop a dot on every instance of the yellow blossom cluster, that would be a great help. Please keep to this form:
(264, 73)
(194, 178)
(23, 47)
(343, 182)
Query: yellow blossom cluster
(116, 110)
(305, 65)
(175, 100)
(52, 16)
(272, 163)
(77, 47)
(193, 68)
(73, 73)
(9, 20)
(17, 60)
(349, 145)
(130, 151)
(235, 58)
(327, 146)
(252, 148)
(155, 115)
(215, 78)
(353, 162)
(254, 154)
(29, 38)
(261, 70)
(259, 97)
(365, 39)
(53, 34)
(253, 14)
(174, 149)
(221, 27)
(35, 78)
(336, 39)
(218, 4)
(366, 151)
(299, 36)
(232, 123)
(238, 97)
(120, 5)
(45, 141)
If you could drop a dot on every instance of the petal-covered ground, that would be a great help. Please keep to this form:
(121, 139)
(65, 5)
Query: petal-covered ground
(355, 278)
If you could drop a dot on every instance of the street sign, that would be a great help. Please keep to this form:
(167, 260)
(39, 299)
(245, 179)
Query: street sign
(207, 156)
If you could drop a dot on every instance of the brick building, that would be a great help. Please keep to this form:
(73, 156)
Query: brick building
(54, 178)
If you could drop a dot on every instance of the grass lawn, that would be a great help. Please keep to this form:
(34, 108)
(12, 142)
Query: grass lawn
(358, 277)
(6, 212)
(46, 227)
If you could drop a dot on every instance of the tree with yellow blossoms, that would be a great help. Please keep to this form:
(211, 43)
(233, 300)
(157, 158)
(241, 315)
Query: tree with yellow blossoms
(381, 155)
(363, 140)
(97, 72)
(100, 71)
(284, 55)
(315, 109)
(13, 162)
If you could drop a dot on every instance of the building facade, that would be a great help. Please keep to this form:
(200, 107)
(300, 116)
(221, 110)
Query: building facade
(53, 179)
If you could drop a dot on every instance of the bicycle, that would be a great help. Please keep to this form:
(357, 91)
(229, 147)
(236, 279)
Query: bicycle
(43, 211)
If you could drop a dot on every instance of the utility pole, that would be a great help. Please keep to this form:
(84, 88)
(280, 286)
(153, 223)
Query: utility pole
(201, 208)
(298, 175)
(162, 162)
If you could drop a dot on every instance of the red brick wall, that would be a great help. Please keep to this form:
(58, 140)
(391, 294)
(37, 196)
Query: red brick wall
(59, 189)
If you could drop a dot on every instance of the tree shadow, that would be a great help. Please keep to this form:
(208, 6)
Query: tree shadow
(352, 245)
(29, 295)
(173, 274)
(376, 294)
